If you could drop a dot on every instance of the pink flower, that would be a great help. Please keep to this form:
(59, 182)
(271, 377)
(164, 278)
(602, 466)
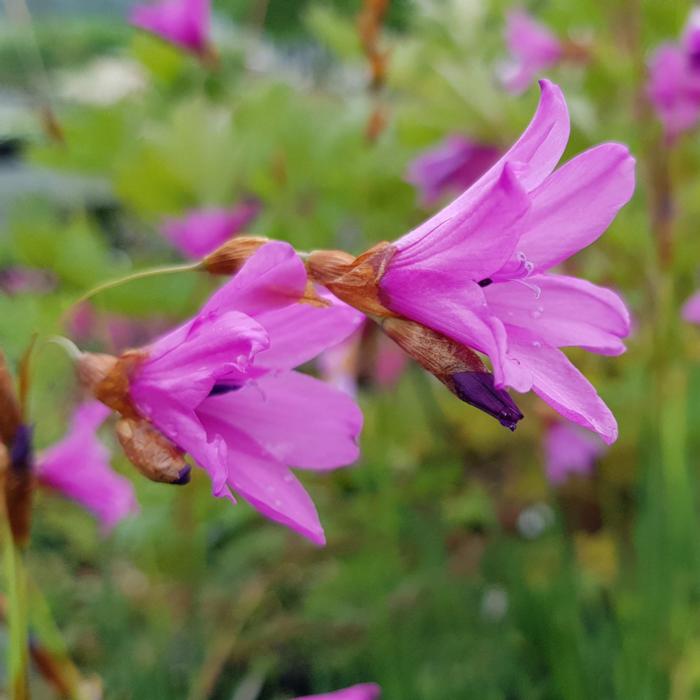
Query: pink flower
(364, 691)
(534, 49)
(449, 167)
(691, 309)
(478, 271)
(185, 23)
(201, 231)
(674, 81)
(78, 467)
(570, 450)
(223, 389)
(25, 280)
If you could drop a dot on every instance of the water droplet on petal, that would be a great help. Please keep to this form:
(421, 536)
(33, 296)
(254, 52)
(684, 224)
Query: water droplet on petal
(278, 503)
(536, 344)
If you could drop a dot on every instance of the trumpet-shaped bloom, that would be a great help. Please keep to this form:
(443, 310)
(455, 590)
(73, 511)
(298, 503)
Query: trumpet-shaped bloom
(533, 49)
(222, 388)
(479, 270)
(184, 23)
(202, 231)
(674, 81)
(78, 467)
(364, 691)
(449, 167)
(570, 450)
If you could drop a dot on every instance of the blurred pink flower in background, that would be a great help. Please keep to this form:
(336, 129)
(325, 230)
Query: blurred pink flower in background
(533, 48)
(691, 309)
(26, 280)
(185, 23)
(78, 468)
(449, 167)
(364, 691)
(377, 359)
(201, 231)
(674, 81)
(478, 271)
(221, 387)
(570, 450)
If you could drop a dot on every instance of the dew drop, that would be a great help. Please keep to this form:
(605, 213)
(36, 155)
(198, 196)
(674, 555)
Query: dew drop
(536, 344)
(278, 503)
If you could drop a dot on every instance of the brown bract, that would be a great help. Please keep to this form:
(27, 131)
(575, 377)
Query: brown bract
(10, 411)
(151, 452)
(229, 257)
(353, 280)
(154, 455)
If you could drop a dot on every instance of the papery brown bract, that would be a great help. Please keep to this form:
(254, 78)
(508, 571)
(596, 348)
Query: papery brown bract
(229, 257)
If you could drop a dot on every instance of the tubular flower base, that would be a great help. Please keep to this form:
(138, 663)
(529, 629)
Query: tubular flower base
(364, 691)
(221, 388)
(477, 272)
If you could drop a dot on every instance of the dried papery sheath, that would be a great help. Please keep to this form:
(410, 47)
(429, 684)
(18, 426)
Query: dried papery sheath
(19, 485)
(152, 453)
(456, 366)
(229, 257)
(10, 413)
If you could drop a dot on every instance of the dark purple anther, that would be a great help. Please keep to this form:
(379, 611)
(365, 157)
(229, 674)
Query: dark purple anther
(485, 282)
(219, 389)
(478, 390)
(21, 450)
(183, 476)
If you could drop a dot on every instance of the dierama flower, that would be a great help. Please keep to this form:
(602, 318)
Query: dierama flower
(449, 167)
(570, 450)
(185, 23)
(221, 387)
(364, 691)
(674, 81)
(201, 231)
(477, 272)
(533, 48)
(78, 468)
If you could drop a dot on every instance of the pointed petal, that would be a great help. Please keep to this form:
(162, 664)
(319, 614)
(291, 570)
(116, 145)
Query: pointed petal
(267, 484)
(298, 419)
(563, 311)
(562, 386)
(533, 156)
(364, 691)
(574, 206)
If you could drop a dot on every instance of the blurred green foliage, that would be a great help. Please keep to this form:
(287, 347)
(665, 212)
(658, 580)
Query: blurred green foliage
(429, 584)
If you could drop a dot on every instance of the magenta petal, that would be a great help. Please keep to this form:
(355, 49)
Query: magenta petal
(532, 158)
(691, 309)
(364, 691)
(574, 206)
(184, 23)
(563, 311)
(473, 242)
(298, 419)
(202, 231)
(570, 450)
(78, 467)
(298, 333)
(272, 278)
(267, 484)
(562, 386)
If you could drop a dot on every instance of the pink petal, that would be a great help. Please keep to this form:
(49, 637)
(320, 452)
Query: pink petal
(297, 419)
(364, 691)
(533, 157)
(472, 243)
(184, 23)
(574, 206)
(562, 386)
(299, 332)
(570, 450)
(267, 484)
(201, 231)
(78, 467)
(563, 311)
(691, 309)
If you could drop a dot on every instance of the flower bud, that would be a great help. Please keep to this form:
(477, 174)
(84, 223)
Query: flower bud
(19, 485)
(458, 367)
(229, 257)
(152, 453)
